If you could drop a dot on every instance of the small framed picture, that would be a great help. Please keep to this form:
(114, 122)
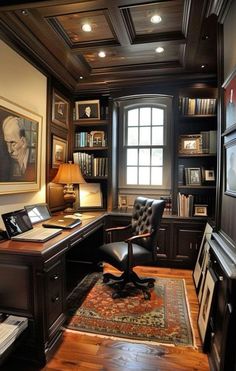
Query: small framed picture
(193, 176)
(200, 210)
(97, 139)
(90, 195)
(190, 144)
(87, 110)
(209, 175)
(60, 110)
(59, 151)
(206, 303)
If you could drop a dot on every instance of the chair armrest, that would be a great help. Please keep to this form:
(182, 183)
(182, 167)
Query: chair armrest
(117, 228)
(133, 238)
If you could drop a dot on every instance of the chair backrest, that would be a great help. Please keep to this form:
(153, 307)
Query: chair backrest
(147, 215)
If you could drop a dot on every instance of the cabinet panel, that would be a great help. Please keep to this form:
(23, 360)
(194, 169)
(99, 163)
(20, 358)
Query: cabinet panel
(163, 241)
(187, 239)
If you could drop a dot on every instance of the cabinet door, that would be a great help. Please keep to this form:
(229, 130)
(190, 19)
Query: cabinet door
(54, 293)
(186, 242)
(163, 242)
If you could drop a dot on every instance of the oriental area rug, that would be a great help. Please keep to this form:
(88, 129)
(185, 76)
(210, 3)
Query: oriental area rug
(163, 319)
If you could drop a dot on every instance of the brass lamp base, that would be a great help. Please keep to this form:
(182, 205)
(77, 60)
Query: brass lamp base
(69, 197)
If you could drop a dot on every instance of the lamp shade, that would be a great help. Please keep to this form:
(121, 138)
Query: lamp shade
(69, 173)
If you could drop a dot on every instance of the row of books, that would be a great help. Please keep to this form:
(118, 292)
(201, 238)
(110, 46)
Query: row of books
(197, 106)
(185, 205)
(10, 329)
(90, 139)
(90, 165)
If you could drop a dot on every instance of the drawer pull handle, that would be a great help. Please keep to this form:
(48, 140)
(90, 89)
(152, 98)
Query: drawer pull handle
(56, 299)
(55, 277)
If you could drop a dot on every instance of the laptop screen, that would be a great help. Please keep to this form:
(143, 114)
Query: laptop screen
(38, 212)
(16, 222)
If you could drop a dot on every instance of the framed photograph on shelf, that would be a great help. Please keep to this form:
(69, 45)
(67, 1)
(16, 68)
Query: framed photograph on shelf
(190, 144)
(90, 196)
(230, 101)
(209, 175)
(87, 110)
(60, 110)
(97, 139)
(200, 210)
(206, 303)
(230, 172)
(193, 176)
(21, 148)
(59, 151)
(204, 248)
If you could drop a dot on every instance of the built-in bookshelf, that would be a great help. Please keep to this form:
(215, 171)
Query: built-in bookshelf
(196, 145)
(91, 148)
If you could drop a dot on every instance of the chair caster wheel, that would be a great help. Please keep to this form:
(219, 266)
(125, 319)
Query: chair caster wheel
(150, 284)
(115, 295)
(147, 295)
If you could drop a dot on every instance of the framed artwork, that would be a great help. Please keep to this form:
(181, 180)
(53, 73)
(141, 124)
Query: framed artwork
(204, 247)
(230, 172)
(20, 148)
(190, 144)
(193, 176)
(97, 139)
(206, 303)
(90, 195)
(230, 101)
(59, 151)
(87, 110)
(60, 110)
(200, 210)
(209, 175)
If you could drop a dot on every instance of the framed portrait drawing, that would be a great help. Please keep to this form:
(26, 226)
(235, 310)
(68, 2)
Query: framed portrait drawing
(90, 196)
(59, 151)
(206, 303)
(193, 176)
(230, 101)
(230, 168)
(190, 144)
(60, 110)
(204, 248)
(20, 147)
(87, 110)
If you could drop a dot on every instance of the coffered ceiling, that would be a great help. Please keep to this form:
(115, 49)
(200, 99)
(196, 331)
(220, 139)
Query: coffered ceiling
(50, 33)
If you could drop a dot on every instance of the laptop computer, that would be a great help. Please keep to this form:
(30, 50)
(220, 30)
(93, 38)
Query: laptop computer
(41, 212)
(19, 228)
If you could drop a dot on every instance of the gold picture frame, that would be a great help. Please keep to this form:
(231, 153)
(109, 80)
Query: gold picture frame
(190, 144)
(90, 196)
(60, 110)
(87, 110)
(59, 151)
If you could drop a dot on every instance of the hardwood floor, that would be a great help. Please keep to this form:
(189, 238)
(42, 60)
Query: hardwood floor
(82, 352)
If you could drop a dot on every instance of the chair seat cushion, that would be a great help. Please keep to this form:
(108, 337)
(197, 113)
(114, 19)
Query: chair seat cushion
(116, 254)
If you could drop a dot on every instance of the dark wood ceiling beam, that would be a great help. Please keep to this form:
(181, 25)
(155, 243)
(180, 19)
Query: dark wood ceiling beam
(119, 25)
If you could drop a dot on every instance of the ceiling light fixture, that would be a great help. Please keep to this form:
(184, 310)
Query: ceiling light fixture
(102, 54)
(203, 66)
(159, 49)
(81, 77)
(156, 18)
(86, 27)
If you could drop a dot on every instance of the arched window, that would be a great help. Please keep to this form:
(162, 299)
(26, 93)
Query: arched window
(144, 149)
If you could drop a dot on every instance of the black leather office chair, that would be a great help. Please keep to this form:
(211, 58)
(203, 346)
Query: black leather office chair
(139, 249)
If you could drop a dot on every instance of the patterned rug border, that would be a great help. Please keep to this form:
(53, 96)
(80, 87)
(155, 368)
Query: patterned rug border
(92, 280)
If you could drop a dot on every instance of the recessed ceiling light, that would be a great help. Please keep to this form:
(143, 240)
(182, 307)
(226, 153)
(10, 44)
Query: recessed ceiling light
(24, 12)
(102, 54)
(81, 77)
(203, 66)
(86, 27)
(156, 18)
(159, 49)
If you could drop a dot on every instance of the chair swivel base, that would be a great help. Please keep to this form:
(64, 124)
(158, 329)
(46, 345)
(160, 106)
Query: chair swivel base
(119, 283)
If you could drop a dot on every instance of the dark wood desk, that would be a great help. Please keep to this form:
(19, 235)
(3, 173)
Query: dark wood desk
(34, 283)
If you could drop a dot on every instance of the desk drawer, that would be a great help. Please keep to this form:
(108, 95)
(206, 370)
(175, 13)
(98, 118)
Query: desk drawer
(54, 292)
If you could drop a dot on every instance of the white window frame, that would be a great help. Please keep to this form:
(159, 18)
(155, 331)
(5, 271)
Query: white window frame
(157, 101)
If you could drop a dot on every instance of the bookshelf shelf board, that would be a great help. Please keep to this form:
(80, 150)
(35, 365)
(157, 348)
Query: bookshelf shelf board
(196, 155)
(91, 148)
(197, 116)
(195, 187)
(91, 123)
(96, 177)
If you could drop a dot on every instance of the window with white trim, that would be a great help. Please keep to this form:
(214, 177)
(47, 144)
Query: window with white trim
(145, 143)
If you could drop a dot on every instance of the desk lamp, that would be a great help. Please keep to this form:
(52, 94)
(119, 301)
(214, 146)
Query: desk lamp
(69, 174)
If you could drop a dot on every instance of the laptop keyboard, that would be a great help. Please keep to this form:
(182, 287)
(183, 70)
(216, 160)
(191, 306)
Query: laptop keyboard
(38, 233)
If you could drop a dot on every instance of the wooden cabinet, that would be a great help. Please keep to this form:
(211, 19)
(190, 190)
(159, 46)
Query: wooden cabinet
(179, 239)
